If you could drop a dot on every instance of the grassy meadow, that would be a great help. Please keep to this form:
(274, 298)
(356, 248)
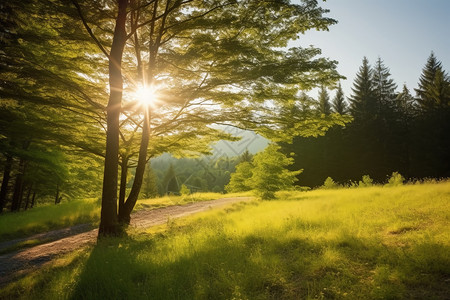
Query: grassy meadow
(48, 217)
(362, 243)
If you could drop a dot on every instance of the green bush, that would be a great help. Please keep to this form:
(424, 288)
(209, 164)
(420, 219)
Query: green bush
(366, 181)
(329, 184)
(184, 191)
(396, 179)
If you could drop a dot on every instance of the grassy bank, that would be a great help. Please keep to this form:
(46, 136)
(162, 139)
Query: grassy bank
(49, 217)
(367, 243)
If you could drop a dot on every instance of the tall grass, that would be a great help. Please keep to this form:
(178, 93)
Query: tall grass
(371, 243)
(49, 217)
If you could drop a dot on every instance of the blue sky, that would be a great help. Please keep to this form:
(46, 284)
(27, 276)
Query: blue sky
(402, 32)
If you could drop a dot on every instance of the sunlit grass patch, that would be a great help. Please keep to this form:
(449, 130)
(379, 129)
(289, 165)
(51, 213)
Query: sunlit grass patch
(370, 243)
(48, 217)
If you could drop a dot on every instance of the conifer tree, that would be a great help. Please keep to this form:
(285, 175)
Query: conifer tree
(384, 86)
(405, 101)
(339, 105)
(150, 185)
(362, 100)
(324, 106)
(431, 91)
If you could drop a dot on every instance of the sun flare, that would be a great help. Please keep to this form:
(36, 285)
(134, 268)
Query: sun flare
(147, 95)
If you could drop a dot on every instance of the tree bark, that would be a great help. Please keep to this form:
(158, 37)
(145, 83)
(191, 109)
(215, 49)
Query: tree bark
(27, 203)
(5, 181)
(125, 213)
(33, 199)
(108, 218)
(123, 183)
(57, 197)
(18, 187)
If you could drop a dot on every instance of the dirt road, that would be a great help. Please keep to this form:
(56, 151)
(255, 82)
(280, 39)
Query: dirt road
(66, 240)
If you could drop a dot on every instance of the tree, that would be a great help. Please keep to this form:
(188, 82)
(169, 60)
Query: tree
(339, 105)
(202, 52)
(405, 101)
(324, 106)
(150, 186)
(240, 180)
(270, 173)
(383, 86)
(363, 101)
(170, 181)
(433, 88)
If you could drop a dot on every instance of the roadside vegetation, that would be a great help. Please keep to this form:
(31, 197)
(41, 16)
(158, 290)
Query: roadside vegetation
(49, 217)
(376, 242)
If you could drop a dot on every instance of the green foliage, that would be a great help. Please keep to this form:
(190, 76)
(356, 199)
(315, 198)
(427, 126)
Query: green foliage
(150, 184)
(339, 105)
(240, 181)
(328, 244)
(184, 190)
(434, 85)
(270, 173)
(363, 101)
(396, 179)
(329, 184)
(323, 105)
(366, 181)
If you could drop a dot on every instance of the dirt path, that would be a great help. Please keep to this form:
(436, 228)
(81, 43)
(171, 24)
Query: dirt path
(66, 240)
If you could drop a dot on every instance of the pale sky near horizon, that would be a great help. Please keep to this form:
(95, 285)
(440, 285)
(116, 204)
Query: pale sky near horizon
(402, 32)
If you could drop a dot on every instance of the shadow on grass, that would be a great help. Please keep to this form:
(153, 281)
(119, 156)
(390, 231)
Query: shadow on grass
(256, 267)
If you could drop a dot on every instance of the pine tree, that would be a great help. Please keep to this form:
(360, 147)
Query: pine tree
(433, 88)
(324, 106)
(170, 181)
(362, 100)
(339, 105)
(384, 86)
(405, 101)
(150, 185)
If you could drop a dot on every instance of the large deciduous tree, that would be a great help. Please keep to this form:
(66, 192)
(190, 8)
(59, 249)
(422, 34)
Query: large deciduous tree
(210, 62)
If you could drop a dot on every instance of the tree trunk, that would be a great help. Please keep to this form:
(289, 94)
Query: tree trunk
(5, 181)
(33, 199)
(123, 183)
(18, 187)
(125, 213)
(57, 196)
(27, 203)
(108, 218)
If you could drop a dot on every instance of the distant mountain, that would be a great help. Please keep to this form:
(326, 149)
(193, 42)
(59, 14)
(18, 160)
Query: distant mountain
(250, 141)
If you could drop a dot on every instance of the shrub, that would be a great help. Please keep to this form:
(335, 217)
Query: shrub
(366, 181)
(329, 184)
(396, 179)
(184, 191)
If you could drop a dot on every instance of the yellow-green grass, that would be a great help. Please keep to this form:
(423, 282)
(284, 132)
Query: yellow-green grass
(49, 217)
(367, 243)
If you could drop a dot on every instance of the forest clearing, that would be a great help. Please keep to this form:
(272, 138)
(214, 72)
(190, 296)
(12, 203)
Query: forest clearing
(224, 149)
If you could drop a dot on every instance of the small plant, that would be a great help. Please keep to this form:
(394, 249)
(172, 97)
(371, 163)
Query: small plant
(184, 191)
(329, 184)
(396, 179)
(366, 181)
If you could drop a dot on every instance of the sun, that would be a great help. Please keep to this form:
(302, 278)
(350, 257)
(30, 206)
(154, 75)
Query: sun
(147, 95)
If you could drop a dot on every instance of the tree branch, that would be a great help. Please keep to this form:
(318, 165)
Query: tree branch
(88, 29)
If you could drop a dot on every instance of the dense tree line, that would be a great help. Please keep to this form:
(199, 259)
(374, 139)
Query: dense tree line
(391, 130)
(203, 174)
